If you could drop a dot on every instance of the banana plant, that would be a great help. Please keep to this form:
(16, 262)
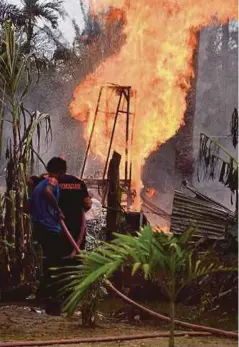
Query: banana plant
(172, 260)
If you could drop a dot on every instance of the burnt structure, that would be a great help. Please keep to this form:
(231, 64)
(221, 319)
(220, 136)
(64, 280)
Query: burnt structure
(212, 220)
(123, 94)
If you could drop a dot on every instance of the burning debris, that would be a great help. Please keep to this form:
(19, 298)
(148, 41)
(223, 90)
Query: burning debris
(150, 192)
(165, 229)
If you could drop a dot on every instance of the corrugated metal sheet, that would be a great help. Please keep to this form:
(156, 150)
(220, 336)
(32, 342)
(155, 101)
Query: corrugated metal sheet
(211, 220)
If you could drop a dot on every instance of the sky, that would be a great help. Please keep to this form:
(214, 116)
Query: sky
(73, 9)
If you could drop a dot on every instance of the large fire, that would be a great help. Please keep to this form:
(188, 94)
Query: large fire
(156, 60)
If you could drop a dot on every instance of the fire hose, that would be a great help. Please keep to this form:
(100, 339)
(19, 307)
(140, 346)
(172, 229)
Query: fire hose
(99, 339)
(200, 330)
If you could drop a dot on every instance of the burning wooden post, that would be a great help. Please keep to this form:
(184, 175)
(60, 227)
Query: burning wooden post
(113, 196)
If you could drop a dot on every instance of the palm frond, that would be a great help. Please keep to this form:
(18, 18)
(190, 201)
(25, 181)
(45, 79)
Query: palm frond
(49, 10)
(104, 270)
(195, 268)
(9, 12)
(157, 255)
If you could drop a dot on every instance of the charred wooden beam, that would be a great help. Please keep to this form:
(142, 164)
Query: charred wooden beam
(113, 196)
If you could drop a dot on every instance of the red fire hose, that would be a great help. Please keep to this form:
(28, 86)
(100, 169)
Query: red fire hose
(69, 236)
(99, 339)
(213, 331)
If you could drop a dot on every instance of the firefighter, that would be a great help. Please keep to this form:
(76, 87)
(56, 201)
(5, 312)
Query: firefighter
(46, 217)
(74, 201)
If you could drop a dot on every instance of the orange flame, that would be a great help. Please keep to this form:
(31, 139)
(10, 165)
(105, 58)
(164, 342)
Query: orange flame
(156, 60)
(160, 228)
(150, 192)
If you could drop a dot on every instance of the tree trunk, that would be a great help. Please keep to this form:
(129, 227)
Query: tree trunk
(172, 324)
(29, 37)
(89, 306)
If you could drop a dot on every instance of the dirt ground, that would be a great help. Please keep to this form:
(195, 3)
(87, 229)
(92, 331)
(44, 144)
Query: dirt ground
(163, 342)
(30, 323)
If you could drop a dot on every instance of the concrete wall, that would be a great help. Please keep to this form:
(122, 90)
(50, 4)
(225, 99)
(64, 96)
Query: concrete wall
(216, 97)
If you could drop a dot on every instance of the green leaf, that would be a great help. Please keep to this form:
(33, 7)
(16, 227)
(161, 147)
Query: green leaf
(135, 268)
(186, 236)
(146, 269)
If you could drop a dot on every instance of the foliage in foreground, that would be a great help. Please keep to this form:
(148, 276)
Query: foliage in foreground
(170, 259)
(24, 129)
